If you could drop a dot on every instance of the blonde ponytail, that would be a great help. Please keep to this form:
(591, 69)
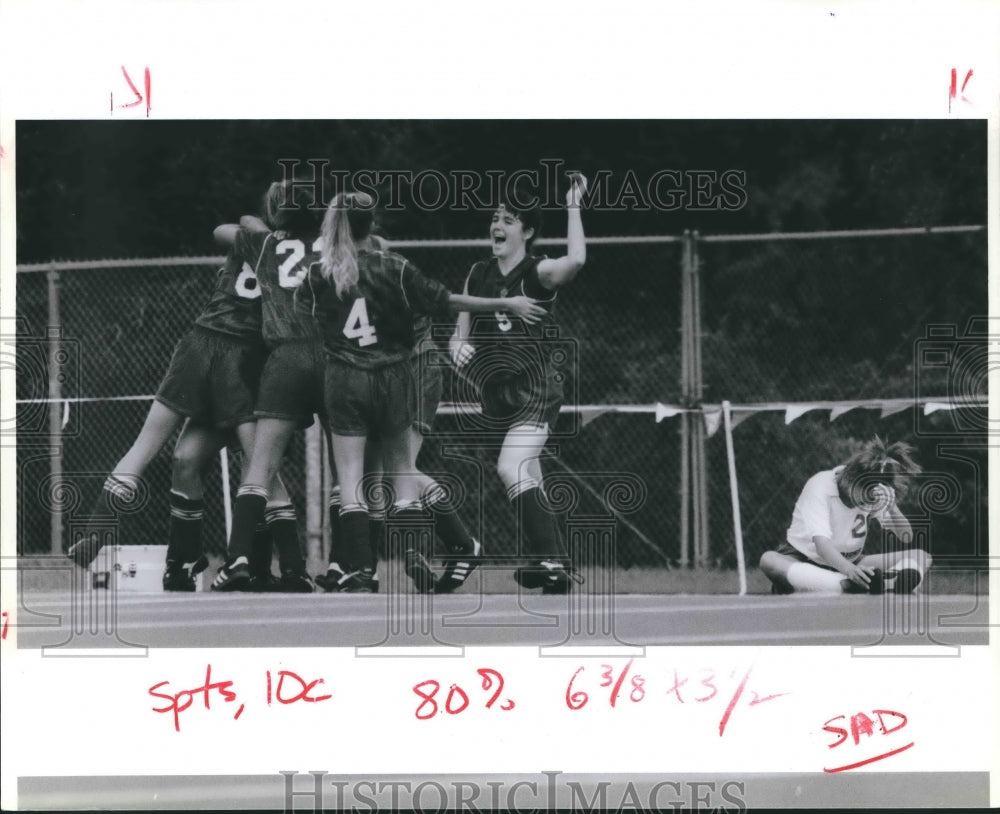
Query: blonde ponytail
(340, 253)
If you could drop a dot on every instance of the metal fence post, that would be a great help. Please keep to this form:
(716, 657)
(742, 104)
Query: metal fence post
(54, 337)
(685, 422)
(702, 549)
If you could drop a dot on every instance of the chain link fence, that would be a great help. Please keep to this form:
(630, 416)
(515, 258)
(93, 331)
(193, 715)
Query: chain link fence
(782, 320)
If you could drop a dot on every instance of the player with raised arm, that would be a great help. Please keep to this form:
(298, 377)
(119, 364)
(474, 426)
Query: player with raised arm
(367, 299)
(209, 387)
(509, 362)
(824, 548)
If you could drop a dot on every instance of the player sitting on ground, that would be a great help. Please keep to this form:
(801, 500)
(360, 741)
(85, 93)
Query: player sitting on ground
(824, 551)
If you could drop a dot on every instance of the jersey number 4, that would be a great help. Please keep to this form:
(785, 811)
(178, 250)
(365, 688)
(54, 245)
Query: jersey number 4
(358, 326)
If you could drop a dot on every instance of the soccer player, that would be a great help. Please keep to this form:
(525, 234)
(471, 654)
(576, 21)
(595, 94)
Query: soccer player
(509, 363)
(209, 387)
(290, 389)
(824, 548)
(368, 299)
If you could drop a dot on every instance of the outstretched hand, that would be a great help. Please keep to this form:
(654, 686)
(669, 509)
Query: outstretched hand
(526, 308)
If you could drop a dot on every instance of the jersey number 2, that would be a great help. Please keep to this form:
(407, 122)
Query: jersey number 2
(288, 275)
(358, 326)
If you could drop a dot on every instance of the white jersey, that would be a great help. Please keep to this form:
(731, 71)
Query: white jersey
(819, 512)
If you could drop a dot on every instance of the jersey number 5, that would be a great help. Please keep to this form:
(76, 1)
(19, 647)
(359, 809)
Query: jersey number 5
(358, 326)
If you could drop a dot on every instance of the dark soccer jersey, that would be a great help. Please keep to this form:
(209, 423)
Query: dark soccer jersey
(282, 263)
(234, 307)
(374, 326)
(485, 280)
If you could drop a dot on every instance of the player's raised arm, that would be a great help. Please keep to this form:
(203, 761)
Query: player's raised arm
(555, 272)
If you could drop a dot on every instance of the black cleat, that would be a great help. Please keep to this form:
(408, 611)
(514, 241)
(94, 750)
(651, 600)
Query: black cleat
(359, 582)
(551, 577)
(457, 569)
(234, 575)
(330, 581)
(264, 583)
(83, 551)
(419, 570)
(295, 582)
(907, 579)
(877, 584)
(180, 577)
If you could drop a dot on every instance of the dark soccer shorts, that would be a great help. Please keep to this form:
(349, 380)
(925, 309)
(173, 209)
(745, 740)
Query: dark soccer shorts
(291, 384)
(212, 378)
(428, 389)
(369, 402)
(525, 399)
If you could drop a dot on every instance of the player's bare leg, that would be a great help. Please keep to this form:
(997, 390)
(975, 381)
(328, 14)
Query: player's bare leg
(122, 485)
(195, 448)
(519, 469)
(278, 523)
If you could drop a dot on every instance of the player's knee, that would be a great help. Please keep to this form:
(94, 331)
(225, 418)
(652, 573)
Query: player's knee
(186, 469)
(769, 562)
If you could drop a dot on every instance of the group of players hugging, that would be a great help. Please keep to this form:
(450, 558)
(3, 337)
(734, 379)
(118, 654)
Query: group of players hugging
(313, 315)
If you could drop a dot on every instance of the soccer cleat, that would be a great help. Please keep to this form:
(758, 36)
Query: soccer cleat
(295, 582)
(180, 577)
(233, 576)
(877, 584)
(457, 569)
(551, 577)
(264, 583)
(419, 570)
(330, 581)
(907, 579)
(359, 582)
(781, 590)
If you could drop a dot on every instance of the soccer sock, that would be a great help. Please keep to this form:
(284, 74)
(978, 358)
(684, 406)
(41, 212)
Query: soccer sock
(804, 576)
(447, 524)
(336, 534)
(356, 549)
(186, 521)
(538, 526)
(248, 512)
(260, 552)
(280, 521)
(376, 535)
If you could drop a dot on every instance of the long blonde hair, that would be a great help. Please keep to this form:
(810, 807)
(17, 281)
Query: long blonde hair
(348, 218)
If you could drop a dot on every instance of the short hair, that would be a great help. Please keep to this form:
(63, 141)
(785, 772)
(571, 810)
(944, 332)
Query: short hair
(291, 207)
(530, 216)
(879, 462)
